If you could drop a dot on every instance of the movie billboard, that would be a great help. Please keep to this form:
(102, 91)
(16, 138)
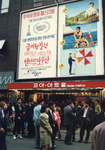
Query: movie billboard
(37, 44)
(80, 44)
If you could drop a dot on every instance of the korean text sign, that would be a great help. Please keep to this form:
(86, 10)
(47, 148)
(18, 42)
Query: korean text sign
(37, 55)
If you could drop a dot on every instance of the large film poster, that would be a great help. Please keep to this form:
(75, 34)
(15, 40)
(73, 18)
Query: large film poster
(80, 51)
(37, 47)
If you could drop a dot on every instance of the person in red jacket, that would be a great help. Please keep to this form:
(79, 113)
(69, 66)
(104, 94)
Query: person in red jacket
(57, 119)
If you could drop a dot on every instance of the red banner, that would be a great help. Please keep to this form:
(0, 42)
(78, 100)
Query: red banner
(53, 85)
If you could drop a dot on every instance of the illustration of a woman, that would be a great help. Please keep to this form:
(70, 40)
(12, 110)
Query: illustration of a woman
(74, 63)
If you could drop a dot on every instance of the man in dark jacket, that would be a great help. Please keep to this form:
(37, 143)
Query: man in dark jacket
(19, 111)
(68, 121)
(70, 62)
(2, 125)
(30, 109)
(87, 119)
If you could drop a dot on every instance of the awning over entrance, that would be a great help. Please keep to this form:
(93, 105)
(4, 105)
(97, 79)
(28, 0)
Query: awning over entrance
(2, 43)
(55, 85)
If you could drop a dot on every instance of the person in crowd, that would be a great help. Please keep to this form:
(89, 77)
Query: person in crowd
(62, 105)
(87, 119)
(26, 118)
(30, 109)
(2, 125)
(79, 116)
(51, 105)
(98, 134)
(73, 129)
(97, 112)
(19, 111)
(68, 121)
(92, 105)
(58, 109)
(6, 116)
(36, 114)
(45, 128)
(57, 119)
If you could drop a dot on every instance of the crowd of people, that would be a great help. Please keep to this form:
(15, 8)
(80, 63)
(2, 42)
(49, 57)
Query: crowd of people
(43, 120)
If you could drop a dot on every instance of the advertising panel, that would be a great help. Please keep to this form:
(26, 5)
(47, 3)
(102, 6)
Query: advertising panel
(38, 42)
(80, 44)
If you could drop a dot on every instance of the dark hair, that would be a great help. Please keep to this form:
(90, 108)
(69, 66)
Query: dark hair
(57, 103)
(78, 28)
(69, 102)
(31, 100)
(43, 108)
(18, 98)
(70, 53)
(50, 103)
(79, 102)
(91, 3)
(97, 101)
(87, 102)
(2, 98)
(39, 101)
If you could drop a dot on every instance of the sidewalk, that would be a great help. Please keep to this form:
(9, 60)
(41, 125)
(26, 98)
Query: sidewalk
(77, 132)
(29, 143)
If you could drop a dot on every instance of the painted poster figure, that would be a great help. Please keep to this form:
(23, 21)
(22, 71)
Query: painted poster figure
(70, 60)
(91, 13)
(74, 63)
(79, 34)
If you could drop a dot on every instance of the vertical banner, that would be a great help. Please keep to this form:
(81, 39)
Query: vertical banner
(80, 45)
(38, 42)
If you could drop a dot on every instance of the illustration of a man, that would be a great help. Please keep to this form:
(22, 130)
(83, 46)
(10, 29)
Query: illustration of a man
(91, 13)
(70, 62)
(78, 34)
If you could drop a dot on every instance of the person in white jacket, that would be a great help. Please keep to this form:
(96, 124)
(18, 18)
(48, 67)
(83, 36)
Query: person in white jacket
(91, 13)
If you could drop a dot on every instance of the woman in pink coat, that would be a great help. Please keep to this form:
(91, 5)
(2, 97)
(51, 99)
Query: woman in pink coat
(57, 119)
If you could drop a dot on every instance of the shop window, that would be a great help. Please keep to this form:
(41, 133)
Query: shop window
(38, 3)
(4, 6)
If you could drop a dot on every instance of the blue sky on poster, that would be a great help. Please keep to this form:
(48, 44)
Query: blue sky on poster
(79, 7)
(86, 27)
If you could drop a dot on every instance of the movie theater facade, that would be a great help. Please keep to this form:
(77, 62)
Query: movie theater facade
(61, 52)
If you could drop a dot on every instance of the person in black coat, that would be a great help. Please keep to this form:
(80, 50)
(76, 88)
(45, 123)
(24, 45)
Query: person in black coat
(70, 62)
(68, 121)
(2, 125)
(87, 119)
(73, 129)
(19, 112)
(30, 109)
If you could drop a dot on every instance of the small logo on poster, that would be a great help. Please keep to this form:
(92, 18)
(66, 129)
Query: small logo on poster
(28, 33)
(40, 28)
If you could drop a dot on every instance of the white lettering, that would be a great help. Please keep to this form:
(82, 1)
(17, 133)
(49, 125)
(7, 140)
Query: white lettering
(41, 85)
(5, 80)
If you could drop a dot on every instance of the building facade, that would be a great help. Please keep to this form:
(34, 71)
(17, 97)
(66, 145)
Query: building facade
(77, 88)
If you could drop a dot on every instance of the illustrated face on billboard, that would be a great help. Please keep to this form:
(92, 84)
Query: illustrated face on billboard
(80, 39)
